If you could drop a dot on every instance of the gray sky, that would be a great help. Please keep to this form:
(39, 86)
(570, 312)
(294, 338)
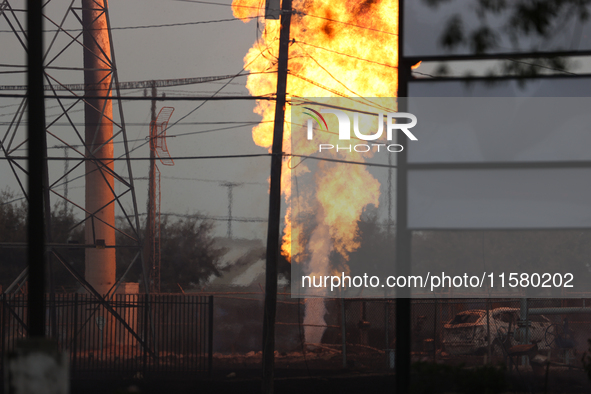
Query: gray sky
(162, 53)
(192, 51)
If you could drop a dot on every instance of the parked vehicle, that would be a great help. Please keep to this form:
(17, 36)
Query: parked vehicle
(467, 332)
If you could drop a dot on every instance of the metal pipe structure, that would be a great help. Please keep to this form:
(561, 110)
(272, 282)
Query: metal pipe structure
(98, 114)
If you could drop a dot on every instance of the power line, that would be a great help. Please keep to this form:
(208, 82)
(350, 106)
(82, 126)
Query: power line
(249, 122)
(294, 12)
(209, 131)
(199, 106)
(140, 27)
(181, 93)
(346, 54)
(211, 157)
(141, 98)
(9, 105)
(11, 201)
(241, 124)
(219, 90)
(186, 215)
(346, 23)
(172, 24)
(220, 4)
(176, 178)
(121, 158)
(420, 73)
(338, 81)
(333, 91)
(342, 161)
(336, 92)
(58, 106)
(205, 217)
(159, 83)
(46, 108)
(55, 158)
(541, 66)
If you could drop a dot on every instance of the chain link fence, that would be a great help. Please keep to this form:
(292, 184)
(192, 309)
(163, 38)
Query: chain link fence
(332, 334)
(311, 334)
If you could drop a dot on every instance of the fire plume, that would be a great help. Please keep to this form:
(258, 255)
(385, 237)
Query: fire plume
(338, 49)
(348, 49)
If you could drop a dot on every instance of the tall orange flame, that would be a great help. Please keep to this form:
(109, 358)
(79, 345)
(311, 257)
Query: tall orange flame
(347, 49)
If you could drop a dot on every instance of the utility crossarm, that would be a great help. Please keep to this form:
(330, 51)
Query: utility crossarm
(128, 85)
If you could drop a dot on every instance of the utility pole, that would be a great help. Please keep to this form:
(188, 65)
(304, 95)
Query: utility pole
(66, 178)
(149, 241)
(230, 186)
(39, 220)
(26, 372)
(403, 235)
(36, 165)
(157, 148)
(273, 229)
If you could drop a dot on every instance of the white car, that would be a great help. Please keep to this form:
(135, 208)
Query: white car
(467, 332)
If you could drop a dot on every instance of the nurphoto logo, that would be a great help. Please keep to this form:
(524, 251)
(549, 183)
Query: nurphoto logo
(345, 130)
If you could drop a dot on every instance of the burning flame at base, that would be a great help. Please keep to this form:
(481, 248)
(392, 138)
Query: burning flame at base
(339, 49)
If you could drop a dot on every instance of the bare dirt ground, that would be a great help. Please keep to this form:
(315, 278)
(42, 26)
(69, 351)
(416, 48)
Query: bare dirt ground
(320, 370)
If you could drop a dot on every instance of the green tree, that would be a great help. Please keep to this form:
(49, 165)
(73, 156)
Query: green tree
(13, 230)
(541, 20)
(189, 256)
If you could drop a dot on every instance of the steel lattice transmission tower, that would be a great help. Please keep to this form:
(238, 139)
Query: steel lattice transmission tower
(79, 54)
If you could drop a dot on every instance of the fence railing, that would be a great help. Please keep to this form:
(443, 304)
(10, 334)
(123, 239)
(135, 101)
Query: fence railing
(136, 336)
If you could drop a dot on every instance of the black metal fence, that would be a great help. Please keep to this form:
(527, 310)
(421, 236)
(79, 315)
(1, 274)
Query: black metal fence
(132, 335)
(135, 335)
